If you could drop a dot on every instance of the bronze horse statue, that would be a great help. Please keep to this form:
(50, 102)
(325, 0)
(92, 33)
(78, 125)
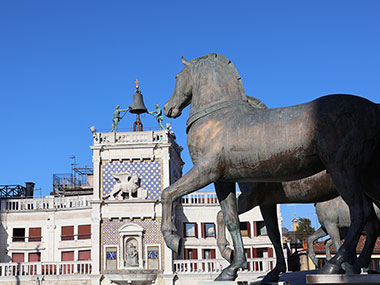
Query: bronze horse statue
(317, 188)
(267, 195)
(231, 141)
(335, 224)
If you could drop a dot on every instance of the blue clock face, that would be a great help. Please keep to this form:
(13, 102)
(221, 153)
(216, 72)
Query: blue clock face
(111, 255)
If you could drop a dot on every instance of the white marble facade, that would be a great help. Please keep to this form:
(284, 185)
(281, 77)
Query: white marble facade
(124, 215)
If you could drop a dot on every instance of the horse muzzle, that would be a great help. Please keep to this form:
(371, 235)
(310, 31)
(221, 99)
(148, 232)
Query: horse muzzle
(172, 112)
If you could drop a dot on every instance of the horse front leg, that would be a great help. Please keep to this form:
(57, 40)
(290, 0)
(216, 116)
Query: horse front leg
(193, 180)
(222, 242)
(248, 199)
(227, 199)
(269, 213)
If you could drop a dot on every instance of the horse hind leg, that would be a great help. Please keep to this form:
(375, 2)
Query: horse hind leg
(310, 242)
(269, 213)
(372, 229)
(227, 199)
(349, 187)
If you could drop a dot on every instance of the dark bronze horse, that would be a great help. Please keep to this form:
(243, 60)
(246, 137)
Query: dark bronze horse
(335, 224)
(317, 188)
(231, 141)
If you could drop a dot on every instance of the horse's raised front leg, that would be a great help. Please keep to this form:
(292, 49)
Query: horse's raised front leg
(227, 199)
(193, 180)
(310, 242)
(269, 213)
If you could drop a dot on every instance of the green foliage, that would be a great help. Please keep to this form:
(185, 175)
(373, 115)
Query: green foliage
(304, 228)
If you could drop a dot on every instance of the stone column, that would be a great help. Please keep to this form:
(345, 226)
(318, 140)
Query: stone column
(96, 241)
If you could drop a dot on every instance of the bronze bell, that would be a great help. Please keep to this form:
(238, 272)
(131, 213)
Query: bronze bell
(138, 106)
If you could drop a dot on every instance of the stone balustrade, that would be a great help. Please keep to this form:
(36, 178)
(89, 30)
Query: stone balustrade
(46, 268)
(199, 198)
(131, 137)
(45, 203)
(255, 265)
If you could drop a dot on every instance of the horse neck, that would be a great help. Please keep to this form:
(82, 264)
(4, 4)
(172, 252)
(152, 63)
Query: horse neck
(207, 94)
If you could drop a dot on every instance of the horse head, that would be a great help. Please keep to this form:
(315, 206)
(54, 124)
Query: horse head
(203, 82)
(182, 92)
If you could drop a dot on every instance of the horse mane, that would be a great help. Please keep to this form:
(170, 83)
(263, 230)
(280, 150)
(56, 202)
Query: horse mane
(218, 58)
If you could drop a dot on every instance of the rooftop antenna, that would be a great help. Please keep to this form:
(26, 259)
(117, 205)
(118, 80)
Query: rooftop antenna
(73, 164)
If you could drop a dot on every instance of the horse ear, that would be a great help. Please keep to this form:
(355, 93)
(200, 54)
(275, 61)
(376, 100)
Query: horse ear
(185, 61)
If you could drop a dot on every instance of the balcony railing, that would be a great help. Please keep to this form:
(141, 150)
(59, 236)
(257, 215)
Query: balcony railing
(45, 203)
(26, 239)
(200, 198)
(46, 268)
(255, 265)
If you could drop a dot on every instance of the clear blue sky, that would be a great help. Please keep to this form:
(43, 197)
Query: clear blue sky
(64, 65)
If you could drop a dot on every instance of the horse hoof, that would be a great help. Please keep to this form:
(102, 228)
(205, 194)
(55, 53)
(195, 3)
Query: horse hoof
(270, 277)
(226, 276)
(350, 269)
(330, 268)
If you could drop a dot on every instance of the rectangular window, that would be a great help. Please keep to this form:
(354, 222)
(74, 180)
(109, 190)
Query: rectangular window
(208, 230)
(153, 253)
(18, 235)
(208, 253)
(84, 232)
(34, 257)
(111, 258)
(67, 233)
(261, 251)
(34, 234)
(17, 257)
(84, 255)
(190, 230)
(261, 229)
(191, 253)
(67, 255)
(245, 229)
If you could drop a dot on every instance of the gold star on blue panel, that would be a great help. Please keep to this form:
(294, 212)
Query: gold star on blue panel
(150, 173)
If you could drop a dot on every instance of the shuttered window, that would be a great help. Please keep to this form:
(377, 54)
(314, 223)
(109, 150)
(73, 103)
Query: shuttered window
(84, 255)
(191, 253)
(67, 233)
(84, 232)
(34, 257)
(34, 234)
(17, 257)
(67, 256)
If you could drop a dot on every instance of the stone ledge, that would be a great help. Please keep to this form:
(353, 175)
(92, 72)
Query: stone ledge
(343, 279)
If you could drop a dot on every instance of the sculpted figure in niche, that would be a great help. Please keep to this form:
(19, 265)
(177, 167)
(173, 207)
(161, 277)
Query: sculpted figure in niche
(132, 255)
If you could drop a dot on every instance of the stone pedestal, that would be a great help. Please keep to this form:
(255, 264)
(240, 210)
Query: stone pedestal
(343, 279)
